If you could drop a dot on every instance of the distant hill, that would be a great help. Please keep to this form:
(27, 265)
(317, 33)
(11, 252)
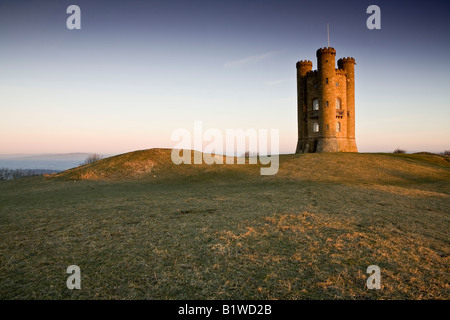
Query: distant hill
(57, 162)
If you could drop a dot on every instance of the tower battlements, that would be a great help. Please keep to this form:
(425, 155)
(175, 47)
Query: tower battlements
(326, 50)
(312, 73)
(326, 104)
(343, 61)
(304, 63)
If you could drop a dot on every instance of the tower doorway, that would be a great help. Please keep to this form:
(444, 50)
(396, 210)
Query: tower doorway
(315, 143)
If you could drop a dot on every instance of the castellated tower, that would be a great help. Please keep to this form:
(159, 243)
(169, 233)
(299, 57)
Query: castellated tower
(326, 104)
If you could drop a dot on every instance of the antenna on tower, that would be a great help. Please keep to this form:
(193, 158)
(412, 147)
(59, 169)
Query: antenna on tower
(328, 34)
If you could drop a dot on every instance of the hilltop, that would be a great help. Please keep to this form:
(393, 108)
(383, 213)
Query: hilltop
(141, 227)
(331, 167)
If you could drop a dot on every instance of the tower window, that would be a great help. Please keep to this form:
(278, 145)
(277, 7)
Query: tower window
(315, 127)
(326, 80)
(327, 103)
(337, 84)
(338, 103)
(338, 127)
(328, 127)
(315, 104)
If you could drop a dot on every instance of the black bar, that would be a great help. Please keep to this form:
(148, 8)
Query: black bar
(223, 309)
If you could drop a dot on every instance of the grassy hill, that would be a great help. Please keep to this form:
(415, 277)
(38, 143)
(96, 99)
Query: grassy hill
(141, 227)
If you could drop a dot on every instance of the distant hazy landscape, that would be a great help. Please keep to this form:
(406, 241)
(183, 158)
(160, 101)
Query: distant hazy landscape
(57, 162)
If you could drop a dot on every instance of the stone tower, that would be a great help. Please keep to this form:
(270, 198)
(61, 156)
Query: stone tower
(326, 104)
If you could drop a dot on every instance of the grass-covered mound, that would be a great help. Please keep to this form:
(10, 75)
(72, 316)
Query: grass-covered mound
(226, 232)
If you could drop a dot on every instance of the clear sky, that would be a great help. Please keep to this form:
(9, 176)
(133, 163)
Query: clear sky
(138, 70)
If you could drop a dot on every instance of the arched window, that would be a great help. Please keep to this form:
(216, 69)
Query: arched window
(338, 103)
(315, 127)
(338, 127)
(316, 104)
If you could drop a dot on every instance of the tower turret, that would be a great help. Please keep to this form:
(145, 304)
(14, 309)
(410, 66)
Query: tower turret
(303, 67)
(326, 67)
(348, 65)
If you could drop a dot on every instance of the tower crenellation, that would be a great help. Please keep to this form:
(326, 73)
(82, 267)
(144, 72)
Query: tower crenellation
(304, 66)
(326, 104)
(304, 63)
(325, 50)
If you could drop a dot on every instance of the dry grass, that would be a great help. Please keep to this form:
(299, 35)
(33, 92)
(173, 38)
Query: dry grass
(326, 257)
(142, 228)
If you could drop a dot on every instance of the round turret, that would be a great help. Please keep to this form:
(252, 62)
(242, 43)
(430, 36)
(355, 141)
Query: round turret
(326, 60)
(343, 61)
(303, 67)
(348, 65)
(326, 67)
(326, 50)
(304, 63)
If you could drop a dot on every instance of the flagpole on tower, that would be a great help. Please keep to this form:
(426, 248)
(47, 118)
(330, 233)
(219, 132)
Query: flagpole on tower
(328, 34)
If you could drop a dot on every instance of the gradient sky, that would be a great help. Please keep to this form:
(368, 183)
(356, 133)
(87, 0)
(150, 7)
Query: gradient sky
(138, 70)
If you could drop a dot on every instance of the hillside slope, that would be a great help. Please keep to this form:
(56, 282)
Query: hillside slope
(136, 164)
(333, 167)
(141, 227)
